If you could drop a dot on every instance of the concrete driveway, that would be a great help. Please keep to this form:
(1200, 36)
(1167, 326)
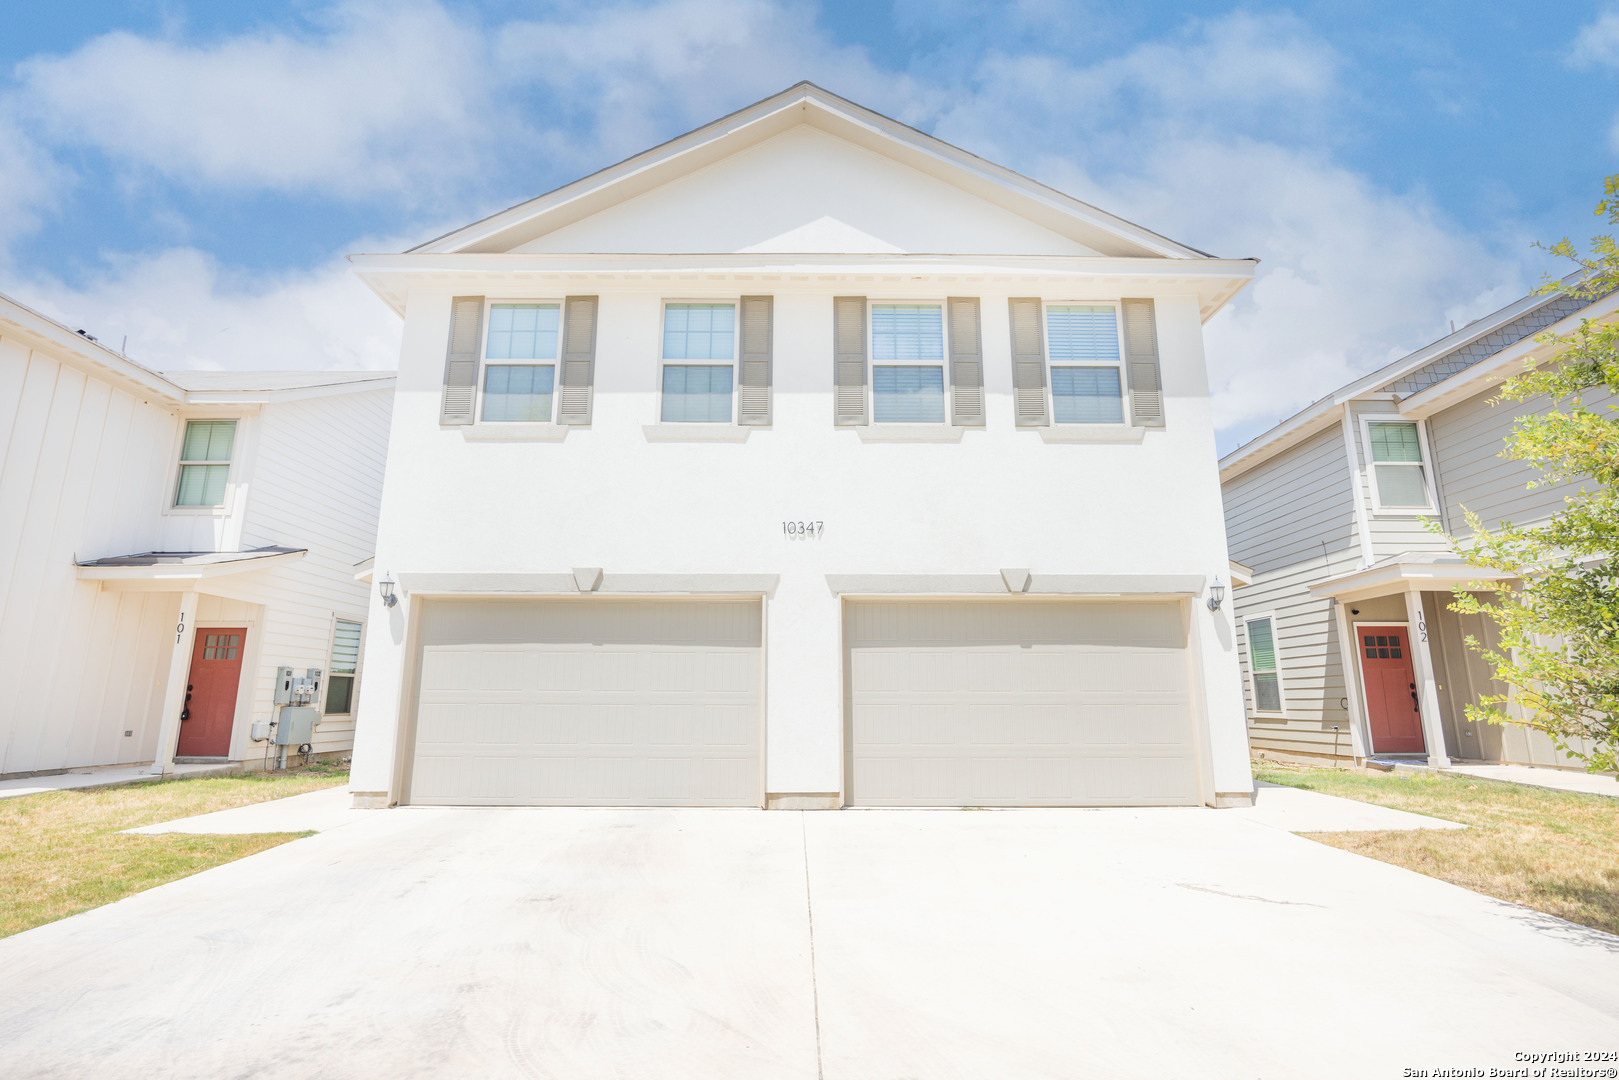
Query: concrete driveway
(734, 943)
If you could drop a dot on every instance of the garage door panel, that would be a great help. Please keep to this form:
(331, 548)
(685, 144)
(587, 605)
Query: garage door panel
(974, 703)
(588, 702)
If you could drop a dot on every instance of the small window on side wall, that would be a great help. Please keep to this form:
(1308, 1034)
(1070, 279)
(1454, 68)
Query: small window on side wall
(344, 668)
(520, 355)
(1399, 475)
(205, 457)
(1266, 679)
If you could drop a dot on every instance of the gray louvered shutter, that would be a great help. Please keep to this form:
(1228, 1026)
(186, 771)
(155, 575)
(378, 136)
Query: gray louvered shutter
(578, 359)
(753, 382)
(966, 363)
(461, 361)
(850, 334)
(1028, 362)
(1141, 353)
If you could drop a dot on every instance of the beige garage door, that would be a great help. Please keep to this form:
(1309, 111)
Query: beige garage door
(1030, 703)
(587, 702)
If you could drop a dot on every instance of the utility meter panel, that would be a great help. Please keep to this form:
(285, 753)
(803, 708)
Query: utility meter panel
(291, 689)
(296, 725)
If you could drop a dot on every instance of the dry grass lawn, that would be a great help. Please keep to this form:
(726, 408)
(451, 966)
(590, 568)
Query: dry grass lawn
(62, 852)
(1554, 851)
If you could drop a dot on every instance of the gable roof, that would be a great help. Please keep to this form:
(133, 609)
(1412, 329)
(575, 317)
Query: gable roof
(1458, 365)
(806, 103)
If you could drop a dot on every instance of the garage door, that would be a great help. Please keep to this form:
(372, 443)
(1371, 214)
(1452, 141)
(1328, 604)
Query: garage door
(1018, 704)
(587, 702)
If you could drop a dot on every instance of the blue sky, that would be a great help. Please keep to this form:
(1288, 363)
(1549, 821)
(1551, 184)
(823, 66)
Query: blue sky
(190, 175)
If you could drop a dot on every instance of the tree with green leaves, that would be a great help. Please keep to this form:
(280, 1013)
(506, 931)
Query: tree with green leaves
(1558, 614)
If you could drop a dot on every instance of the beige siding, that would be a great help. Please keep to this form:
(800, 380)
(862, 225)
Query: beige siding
(1307, 655)
(80, 475)
(1293, 508)
(1467, 441)
(1392, 533)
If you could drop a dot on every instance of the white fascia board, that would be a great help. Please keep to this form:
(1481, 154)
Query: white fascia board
(391, 277)
(299, 393)
(1502, 366)
(1402, 578)
(803, 102)
(91, 356)
(185, 575)
(1313, 418)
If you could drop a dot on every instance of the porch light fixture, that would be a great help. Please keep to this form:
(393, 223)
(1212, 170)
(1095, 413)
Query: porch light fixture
(1216, 595)
(386, 588)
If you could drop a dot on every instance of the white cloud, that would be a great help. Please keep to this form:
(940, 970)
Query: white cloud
(181, 309)
(1597, 43)
(385, 99)
(31, 183)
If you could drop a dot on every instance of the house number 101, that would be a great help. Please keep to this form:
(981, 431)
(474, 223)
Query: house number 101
(802, 530)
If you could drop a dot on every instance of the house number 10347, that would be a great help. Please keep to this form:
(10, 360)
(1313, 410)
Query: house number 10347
(802, 530)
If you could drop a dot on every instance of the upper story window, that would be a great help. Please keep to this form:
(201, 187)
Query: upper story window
(344, 669)
(1399, 475)
(699, 354)
(907, 354)
(1082, 347)
(520, 355)
(205, 457)
(1266, 679)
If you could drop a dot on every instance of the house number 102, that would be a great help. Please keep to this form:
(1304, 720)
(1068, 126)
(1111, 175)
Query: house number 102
(802, 530)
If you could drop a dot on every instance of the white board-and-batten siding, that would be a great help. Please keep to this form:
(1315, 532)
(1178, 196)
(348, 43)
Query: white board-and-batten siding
(86, 471)
(1467, 441)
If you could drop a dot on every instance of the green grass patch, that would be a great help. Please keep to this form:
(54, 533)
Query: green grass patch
(63, 852)
(1554, 851)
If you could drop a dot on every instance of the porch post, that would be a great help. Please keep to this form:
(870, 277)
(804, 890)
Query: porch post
(1360, 736)
(174, 691)
(1433, 729)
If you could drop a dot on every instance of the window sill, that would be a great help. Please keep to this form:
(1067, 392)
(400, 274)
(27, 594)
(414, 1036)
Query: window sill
(1410, 512)
(910, 433)
(498, 432)
(696, 432)
(198, 511)
(1092, 433)
(1267, 718)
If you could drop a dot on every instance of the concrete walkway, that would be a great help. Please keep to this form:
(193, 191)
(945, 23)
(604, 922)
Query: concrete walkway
(114, 777)
(313, 811)
(1559, 779)
(681, 944)
(1300, 811)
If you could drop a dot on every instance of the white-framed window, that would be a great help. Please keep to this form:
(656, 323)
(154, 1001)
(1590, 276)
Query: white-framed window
(521, 340)
(1397, 453)
(698, 369)
(205, 461)
(344, 670)
(1084, 354)
(907, 362)
(1264, 670)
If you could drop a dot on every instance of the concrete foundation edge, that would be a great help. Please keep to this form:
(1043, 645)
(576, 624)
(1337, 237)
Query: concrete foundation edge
(1226, 799)
(370, 800)
(804, 801)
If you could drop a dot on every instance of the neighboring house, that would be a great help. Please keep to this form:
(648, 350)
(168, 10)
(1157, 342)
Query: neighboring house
(804, 460)
(160, 531)
(1328, 512)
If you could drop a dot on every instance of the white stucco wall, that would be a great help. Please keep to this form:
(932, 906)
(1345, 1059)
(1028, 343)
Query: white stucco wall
(607, 496)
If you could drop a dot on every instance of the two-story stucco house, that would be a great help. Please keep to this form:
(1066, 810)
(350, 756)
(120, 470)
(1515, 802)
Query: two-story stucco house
(1349, 645)
(167, 541)
(802, 461)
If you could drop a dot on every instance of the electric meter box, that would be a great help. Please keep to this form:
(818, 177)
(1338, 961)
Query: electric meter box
(296, 725)
(292, 689)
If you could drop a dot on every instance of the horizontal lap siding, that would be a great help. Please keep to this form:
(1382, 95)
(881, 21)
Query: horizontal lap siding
(83, 474)
(1293, 507)
(1467, 441)
(1307, 655)
(316, 484)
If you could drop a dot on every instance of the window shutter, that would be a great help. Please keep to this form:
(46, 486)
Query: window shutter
(850, 334)
(753, 383)
(578, 359)
(1028, 362)
(461, 361)
(966, 363)
(1141, 351)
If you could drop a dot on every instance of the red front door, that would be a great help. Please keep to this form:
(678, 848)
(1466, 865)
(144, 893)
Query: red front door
(1391, 689)
(210, 709)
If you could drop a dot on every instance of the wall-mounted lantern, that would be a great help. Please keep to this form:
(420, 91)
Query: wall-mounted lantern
(386, 588)
(1216, 595)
